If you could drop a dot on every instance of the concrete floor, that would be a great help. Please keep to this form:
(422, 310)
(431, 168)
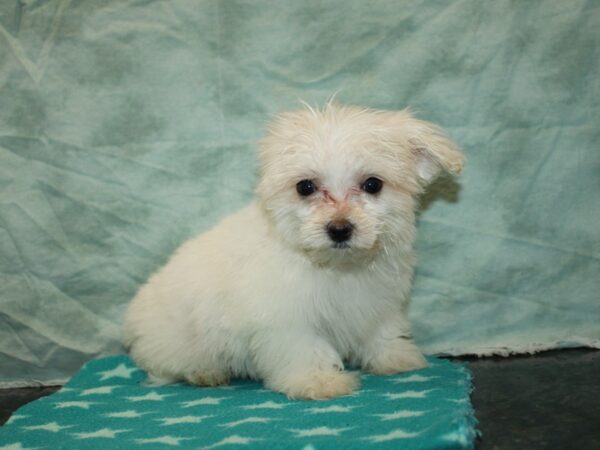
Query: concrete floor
(546, 401)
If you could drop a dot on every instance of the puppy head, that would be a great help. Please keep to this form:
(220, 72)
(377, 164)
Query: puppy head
(341, 182)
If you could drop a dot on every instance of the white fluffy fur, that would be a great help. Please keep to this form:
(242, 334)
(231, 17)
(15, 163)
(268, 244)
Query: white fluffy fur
(265, 294)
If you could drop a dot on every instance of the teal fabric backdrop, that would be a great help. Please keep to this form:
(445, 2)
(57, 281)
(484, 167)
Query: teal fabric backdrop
(128, 126)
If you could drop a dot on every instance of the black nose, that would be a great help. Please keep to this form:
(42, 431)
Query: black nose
(339, 230)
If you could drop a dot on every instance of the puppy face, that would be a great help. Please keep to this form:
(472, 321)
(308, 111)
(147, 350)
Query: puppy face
(339, 183)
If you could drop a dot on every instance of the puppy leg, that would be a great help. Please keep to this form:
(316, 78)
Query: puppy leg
(392, 350)
(301, 365)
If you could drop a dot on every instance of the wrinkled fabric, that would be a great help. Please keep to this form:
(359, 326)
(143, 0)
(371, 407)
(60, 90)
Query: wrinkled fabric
(127, 127)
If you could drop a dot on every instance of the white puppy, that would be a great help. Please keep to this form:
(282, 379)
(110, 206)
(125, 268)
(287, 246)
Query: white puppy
(314, 274)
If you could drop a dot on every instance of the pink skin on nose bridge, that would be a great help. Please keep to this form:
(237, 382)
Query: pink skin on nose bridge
(331, 199)
(328, 197)
(341, 207)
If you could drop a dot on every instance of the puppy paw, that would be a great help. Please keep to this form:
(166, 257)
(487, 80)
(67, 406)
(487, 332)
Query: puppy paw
(208, 378)
(321, 385)
(400, 358)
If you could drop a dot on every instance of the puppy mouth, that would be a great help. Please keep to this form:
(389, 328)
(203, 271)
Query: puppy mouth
(341, 245)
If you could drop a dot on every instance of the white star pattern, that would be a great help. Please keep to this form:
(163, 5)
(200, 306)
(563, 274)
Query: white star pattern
(150, 396)
(16, 417)
(98, 390)
(400, 414)
(184, 419)
(407, 394)
(64, 390)
(16, 446)
(387, 411)
(359, 392)
(235, 439)
(203, 401)
(330, 409)
(168, 440)
(456, 437)
(319, 431)
(265, 405)
(391, 436)
(416, 378)
(129, 414)
(50, 426)
(74, 404)
(121, 371)
(103, 433)
(247, 420)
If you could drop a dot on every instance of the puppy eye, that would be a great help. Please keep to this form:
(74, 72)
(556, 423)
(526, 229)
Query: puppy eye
(305, 188)
(372, 185)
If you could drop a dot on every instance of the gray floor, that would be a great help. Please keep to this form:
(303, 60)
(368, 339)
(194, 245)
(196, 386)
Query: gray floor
(546, 401)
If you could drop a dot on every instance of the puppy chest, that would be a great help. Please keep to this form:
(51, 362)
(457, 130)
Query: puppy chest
(348, 314)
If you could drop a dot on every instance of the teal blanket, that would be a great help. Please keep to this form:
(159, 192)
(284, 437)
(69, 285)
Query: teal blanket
(126, 127)
(105, 406)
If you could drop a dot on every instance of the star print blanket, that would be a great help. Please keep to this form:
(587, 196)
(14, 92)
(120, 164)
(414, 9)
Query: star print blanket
(107, 406)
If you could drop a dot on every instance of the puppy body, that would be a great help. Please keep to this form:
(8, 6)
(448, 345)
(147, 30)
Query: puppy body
(269, 294)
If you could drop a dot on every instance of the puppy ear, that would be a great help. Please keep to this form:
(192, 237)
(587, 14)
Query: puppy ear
(432, 150)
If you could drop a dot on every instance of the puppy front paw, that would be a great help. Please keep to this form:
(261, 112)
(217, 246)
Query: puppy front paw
(401, 357)
(208, 378)
(319, 385)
